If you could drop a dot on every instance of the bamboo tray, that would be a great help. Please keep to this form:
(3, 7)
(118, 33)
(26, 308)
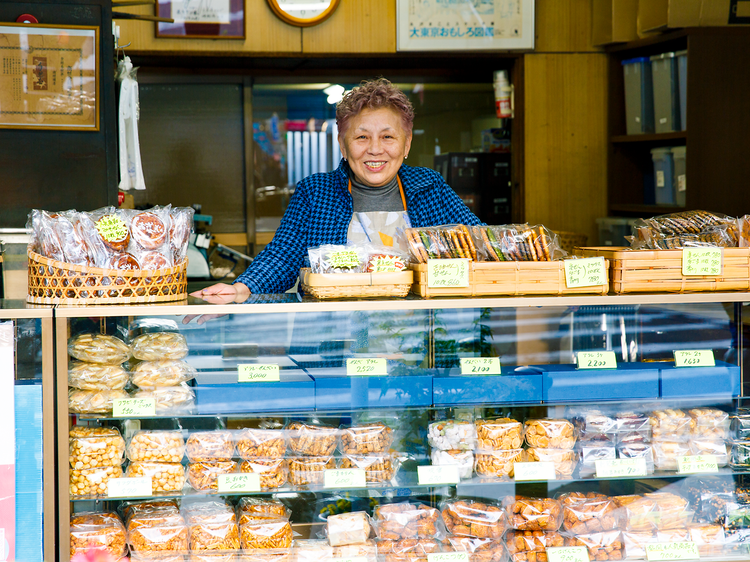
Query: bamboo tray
(660, 271)
(355, 285)
(506, 278)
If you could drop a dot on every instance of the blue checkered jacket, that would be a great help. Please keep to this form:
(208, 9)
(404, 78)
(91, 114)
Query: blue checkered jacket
(320, 211)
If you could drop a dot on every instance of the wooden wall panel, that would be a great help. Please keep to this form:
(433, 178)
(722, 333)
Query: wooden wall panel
(357, 26)
(565, 146)
(264, 33)
(563, 26)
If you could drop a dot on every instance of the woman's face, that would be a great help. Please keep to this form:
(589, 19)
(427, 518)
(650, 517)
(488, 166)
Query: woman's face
(375, 145)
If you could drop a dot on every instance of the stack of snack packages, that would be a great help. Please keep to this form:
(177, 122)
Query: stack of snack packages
(740, 431)
(475, 528)
(367, 447)
(453, 443)
(552, 440)
(348, 537)
(498, 448)
(313, 447)
(408, 531)
(96, 456)
(534, 526)
(210, 454)
(95, 375)
(98, 532)
(676, 433)
(158, 454)
(161, 372)
(597, 439)
(265, 530)
(155, 530)
(262, 452)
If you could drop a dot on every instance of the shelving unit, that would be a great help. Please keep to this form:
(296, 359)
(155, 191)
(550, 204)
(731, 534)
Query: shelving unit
(717, 118)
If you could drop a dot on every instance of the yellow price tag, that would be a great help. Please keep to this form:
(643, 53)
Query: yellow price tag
(133, 407)
(596, 360)
(694, 358)
(672, 551)
(480, 365)
(702, 261)
(534, 471)
(568, 554)
(255, 372)
(615, 468)
(586, 272)
(238, 483)
(344, 478)
(692, 464)
(372, 366)
(438, 475)
(448, 273)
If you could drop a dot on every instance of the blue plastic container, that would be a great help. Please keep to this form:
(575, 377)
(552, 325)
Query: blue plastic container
(682, 64)
(639, 96)
(721, 381)
(292, 392)
(663, 176)
(630, 381)
(515, 386)
(336, 392)
(666, 93)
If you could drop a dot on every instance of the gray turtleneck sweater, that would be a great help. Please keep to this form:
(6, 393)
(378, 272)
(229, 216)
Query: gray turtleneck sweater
(366, 199)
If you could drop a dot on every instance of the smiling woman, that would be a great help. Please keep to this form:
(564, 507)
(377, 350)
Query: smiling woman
(371, 193)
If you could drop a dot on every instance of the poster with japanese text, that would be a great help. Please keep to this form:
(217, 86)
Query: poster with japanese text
(48, 77)
(450, 25)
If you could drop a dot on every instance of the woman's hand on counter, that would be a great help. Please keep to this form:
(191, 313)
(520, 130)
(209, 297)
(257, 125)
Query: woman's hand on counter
(221, 293)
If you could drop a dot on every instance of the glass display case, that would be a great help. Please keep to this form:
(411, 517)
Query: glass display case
(498, 428)
(27, 460)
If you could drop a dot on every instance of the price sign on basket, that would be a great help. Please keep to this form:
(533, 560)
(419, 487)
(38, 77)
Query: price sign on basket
(596, 360)
(129, 487)
(448, 273)
(253, 372)
(568, 554)
(534, 471)
(480, 365)
(702, 261)
(692, 464)
(694, 358)
(133, 407)
(615, 468)
(372, 366)
(438, 475)
(344, 478)
(238, 483)
(585, 272)
(672, 551)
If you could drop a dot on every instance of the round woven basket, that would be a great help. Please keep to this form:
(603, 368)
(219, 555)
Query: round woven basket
(55, 282)
(570, 240)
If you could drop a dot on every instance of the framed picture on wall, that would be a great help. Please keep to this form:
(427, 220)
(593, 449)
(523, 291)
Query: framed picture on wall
(50, 77)
(458, 25)
(207, 19)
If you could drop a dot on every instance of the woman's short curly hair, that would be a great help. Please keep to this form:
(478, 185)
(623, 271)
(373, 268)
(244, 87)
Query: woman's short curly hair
(374, 94)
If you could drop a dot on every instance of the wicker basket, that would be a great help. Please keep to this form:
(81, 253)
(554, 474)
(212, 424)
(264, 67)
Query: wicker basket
(570, 240)
(355, 285)
(55, 282)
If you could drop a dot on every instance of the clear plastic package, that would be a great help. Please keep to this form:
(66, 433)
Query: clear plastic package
(638, 451)
(204, 475)
(366, 439)
(592, 450)
(739, 456)
(531, 546)
(165, 476)
(169, 399)
(607, 545)
(474, 519)
(671, 424)
(590, 513)
(378, 467)
(564, 460)
(594, 425)
(550, 434)
(666, 453)
(261, 444)
(533, 514)
(99, 348)
(709, 538)
(158, 532)
(158, 346)
(93, 401)
(407, 550)
(464, 460)
(498, 463)
(263, 506)
(407, 520)
(478, 549)
(100, 531)
(633, 427)
(348, 528)
(709, 422)
(452, 435)
(210, 446)
(333, 258)
(92, 481)
(311, 550)
(273, 472)
(130, 508)
(449, 241)
(162, 372)
(499, 434)
(213, 531)
(635, 543)
(156, 446)
(516, 242)
(310, 439)
(96, 376)
(270, 533)
(91, 447)
(304, 471)
(710, 446)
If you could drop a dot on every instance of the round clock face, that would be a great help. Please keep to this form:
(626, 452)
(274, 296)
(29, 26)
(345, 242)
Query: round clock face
(303, 12)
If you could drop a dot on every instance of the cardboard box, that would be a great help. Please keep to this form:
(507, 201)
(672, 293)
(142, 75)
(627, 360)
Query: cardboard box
(654, 15)
(613, 21)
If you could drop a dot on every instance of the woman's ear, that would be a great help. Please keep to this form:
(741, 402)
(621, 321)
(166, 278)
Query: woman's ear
(407, 146)
(342, 146)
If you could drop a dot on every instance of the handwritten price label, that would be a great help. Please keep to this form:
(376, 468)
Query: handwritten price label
(129, 487)
(534, 471)
(568, 554)
(133, 407)
(694, 358)
(253, 372)
(386, 264)
(448, 273)
(438, 475)
(672, 551)
(596, 360)
(702, 261)
(344, 259)
(375, 366)
(344, 478)
(615, 468)
(448, 557)
(237, 483)
(585, 272)
(480, 366)
(692, 464)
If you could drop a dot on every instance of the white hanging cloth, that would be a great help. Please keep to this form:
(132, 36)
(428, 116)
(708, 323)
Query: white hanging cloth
(131, 170)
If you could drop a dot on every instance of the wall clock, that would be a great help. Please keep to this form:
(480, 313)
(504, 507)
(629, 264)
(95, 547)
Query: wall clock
(303, 13)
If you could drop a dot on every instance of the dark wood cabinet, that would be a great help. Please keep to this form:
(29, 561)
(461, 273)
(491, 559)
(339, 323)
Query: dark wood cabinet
(718, 124)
